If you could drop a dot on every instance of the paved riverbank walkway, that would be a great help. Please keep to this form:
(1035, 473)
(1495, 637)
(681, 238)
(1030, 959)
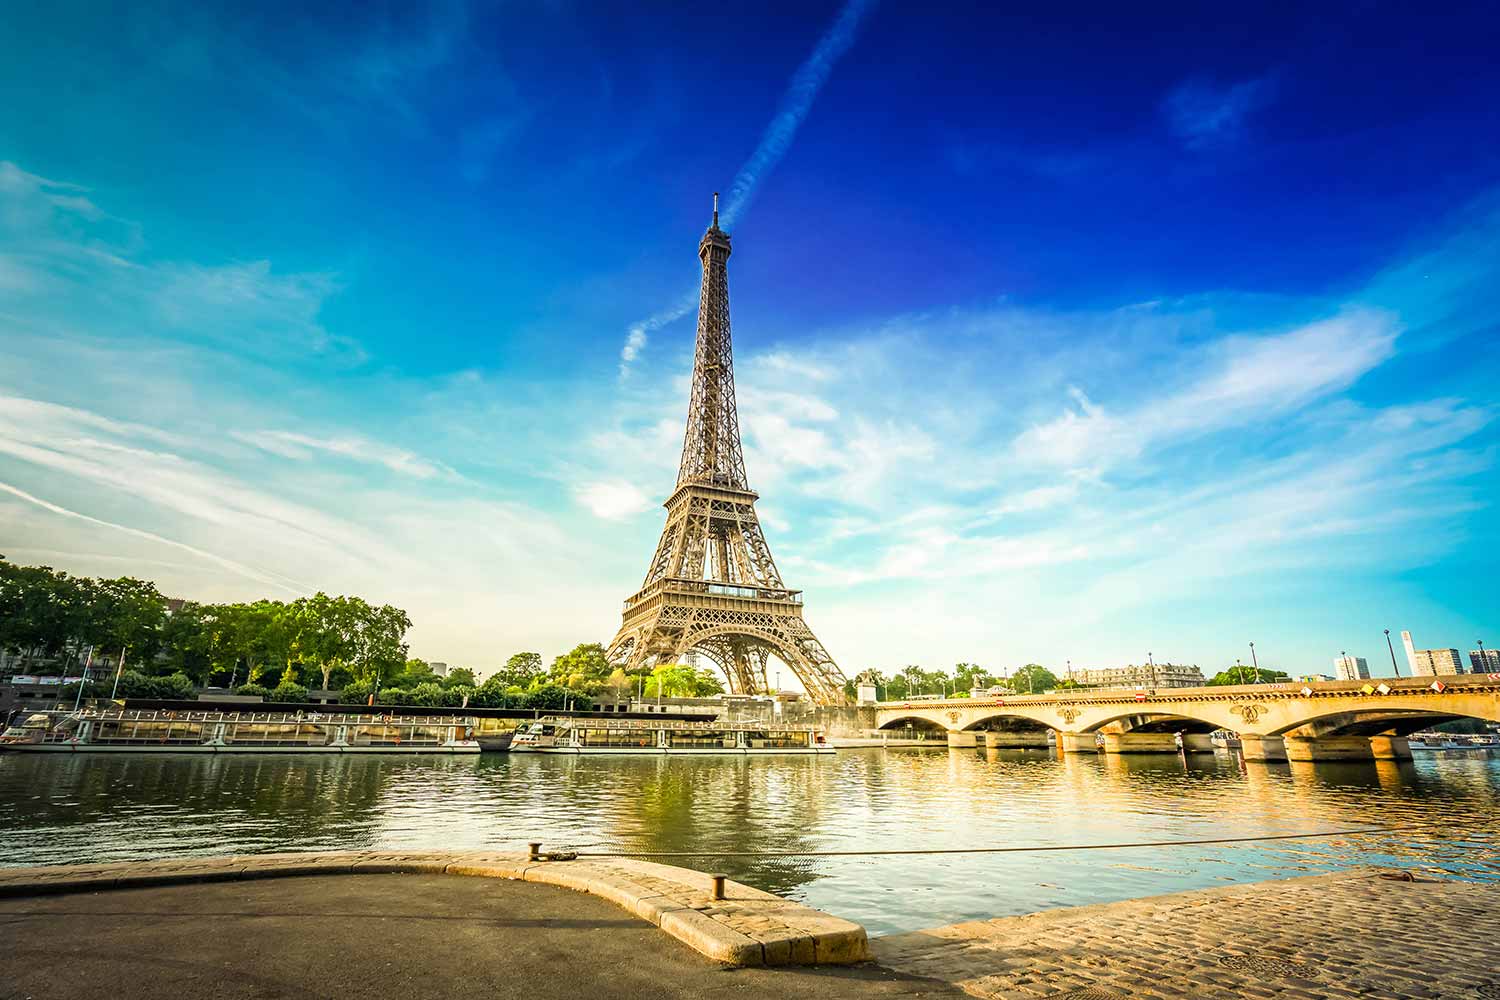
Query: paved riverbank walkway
(739, 925)
(366, 925)
(379, 937)
(1347, 935)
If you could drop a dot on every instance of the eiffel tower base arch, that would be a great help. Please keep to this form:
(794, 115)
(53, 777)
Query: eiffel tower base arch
(741, 650)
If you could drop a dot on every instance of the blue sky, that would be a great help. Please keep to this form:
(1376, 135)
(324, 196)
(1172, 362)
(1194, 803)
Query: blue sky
(1073, 335)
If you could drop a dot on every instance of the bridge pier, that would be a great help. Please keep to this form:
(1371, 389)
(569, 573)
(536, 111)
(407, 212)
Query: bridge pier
(962, 738)
(1140, 742)
(1390, 748)
(1316, 748)
(1017, 740)
(1198, 742)
(1077, 743)
(1262, 748)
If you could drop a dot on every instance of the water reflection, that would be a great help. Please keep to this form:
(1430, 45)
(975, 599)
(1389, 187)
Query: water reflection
(77, 808)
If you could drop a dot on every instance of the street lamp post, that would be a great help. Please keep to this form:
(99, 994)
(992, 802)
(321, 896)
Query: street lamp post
(1482, 662)
(1256, 662)
(1388, 645)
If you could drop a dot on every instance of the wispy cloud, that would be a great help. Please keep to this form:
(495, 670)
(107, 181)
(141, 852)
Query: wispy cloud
(301, 447)
(1240, 380)
(1204, 115)
(249, 572)
(777, 138)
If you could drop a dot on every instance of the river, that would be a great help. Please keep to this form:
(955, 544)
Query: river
(57, 809)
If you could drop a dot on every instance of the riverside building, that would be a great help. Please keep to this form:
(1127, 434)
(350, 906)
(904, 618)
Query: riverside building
(1431, 662)
(1146, 675)
(1485, 661)
(1351, 668)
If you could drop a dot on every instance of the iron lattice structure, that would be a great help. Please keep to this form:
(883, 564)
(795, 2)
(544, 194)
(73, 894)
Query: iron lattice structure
(712, 586)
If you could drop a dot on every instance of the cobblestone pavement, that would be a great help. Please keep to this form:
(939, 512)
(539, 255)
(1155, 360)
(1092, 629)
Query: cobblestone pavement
(1348, 935)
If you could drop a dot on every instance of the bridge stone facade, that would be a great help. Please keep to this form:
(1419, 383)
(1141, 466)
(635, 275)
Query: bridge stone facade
(1329, 720)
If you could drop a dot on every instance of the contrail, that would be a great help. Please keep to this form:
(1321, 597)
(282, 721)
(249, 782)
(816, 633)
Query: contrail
(229, 564)
(774, 142)
(795, 104)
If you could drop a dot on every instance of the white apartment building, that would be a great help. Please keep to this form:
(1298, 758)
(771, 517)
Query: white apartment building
(1431, 662)
(1351, 668)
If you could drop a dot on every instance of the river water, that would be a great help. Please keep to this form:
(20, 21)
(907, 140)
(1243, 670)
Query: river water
(57, 809)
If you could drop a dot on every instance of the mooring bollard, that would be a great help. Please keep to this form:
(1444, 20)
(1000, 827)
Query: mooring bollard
(534, 852)
(718, 892)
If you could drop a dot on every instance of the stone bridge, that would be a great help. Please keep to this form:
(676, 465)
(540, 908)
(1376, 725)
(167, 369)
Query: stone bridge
(1329, 720)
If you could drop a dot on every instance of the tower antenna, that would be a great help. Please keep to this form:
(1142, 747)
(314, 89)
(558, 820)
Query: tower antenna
(716, 210)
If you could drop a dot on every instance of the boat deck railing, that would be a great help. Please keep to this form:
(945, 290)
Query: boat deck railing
(654, 724)
(280, 718)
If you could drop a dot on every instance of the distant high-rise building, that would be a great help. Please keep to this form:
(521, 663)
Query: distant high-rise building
(1351, 668)
(1431, 662)
(439, 667)
(1485, 661)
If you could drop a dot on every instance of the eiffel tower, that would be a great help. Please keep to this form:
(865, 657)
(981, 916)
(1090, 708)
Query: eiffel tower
(712, 587)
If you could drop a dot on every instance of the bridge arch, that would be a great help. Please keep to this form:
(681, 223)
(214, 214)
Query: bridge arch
(915, 722)
(998, 720)
(1376, 722)
(1139, 721)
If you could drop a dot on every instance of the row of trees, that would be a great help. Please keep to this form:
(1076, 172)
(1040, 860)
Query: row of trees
(913, 680)
(50, 621)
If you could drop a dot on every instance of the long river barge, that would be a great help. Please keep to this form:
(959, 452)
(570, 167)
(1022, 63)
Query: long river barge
(134, 731)
(659, 736)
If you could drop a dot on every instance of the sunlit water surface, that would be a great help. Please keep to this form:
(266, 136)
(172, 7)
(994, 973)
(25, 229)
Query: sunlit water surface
(58, 809)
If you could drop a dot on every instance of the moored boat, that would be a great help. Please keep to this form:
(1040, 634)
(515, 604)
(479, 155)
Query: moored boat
(653, 736)
(118, 730)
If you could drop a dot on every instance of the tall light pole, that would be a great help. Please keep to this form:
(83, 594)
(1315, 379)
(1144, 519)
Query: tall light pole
(1152, 661)
(1393, 652)
(1482, 662)
(1256, 662)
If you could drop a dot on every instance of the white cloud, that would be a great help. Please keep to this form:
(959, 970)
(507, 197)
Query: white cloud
(1237, 381)
(613, 501)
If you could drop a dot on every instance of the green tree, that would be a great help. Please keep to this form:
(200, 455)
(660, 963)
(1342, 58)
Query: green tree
(556, 697)
(429, 694)
(520, 670)
(581, 665)
(680, 681)
(1246, 674)
(1033, 679)
(460, 677)
(288, 692)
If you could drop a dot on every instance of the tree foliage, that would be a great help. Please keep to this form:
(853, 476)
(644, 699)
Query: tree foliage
(1033, 679)
(45, 613)
(1246, 674)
